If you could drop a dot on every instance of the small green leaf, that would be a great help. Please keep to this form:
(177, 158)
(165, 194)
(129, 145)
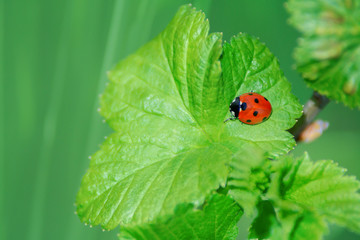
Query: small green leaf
(265, 224)
(216, 221)
(167, 103)
(328, 55)
(282, 224)
(320, 187)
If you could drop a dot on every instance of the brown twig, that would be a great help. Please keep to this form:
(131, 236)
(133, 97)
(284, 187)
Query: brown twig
(311, 109)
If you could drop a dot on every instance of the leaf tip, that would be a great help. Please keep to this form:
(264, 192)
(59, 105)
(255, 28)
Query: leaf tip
(350, 86)
(306, 156)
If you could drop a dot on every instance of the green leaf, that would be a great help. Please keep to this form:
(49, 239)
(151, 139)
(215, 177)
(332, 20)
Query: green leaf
(284, 224)
(320, 188)
(217, 220)
(265, 224)
(306, 226)
(167, 103)
(328, 55)
(248, 65)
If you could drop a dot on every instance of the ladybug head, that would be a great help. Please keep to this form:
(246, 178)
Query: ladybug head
(235, 107)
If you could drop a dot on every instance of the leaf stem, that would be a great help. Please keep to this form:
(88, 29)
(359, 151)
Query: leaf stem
(311, 109)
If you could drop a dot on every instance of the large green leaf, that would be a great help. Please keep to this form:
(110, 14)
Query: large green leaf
(217, 221)
(328, 55)
(165, 150)
(167, 103)
(320, 188)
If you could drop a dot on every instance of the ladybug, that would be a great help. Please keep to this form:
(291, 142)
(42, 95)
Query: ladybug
(250, 108)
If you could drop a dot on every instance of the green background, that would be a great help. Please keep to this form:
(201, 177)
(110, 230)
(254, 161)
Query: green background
(53, 61)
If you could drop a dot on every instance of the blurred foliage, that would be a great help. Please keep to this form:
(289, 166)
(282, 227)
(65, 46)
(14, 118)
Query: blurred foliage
(53, 61)
(309, 192)
(328, 54)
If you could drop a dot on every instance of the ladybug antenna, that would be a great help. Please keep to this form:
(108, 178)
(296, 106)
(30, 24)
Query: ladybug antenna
(232, 118)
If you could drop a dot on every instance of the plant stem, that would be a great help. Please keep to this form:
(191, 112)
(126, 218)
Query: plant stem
(311, 109)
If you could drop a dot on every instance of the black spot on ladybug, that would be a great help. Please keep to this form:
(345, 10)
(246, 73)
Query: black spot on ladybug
(255, 113)
(250, 94)
(264, 118)
(243, 106)
(266, 99)
(248, 120)
(256, 100)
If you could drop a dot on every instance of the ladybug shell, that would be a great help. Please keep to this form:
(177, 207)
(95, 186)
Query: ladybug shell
(255, 108)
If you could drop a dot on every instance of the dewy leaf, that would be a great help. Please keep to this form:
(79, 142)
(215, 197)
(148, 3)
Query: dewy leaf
(328, 55)
(167, 103)
(216, 221)
(320, 187)
(248, 65)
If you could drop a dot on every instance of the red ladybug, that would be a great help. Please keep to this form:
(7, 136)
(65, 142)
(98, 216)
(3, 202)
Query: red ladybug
(250, 108)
